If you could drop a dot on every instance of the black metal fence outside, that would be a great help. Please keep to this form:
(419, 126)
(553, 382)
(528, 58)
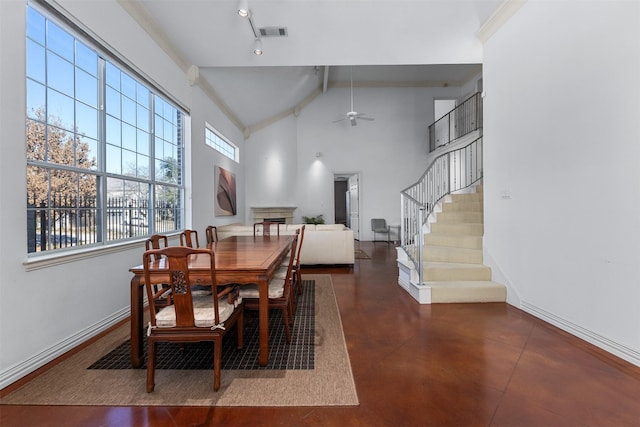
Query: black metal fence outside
(71, 221)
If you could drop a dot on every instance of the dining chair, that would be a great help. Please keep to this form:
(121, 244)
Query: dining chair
(158, 241)
(211, 234)
(280, 294)
(265, 227)
(188, 238)
(379, 225)
(191, 318)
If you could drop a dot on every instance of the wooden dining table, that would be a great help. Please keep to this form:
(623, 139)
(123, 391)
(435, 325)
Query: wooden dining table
(239, 259)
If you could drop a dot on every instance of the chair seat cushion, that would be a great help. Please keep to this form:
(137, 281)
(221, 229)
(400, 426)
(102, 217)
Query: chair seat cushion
(276, 289)
(281, 273)
(203, 312)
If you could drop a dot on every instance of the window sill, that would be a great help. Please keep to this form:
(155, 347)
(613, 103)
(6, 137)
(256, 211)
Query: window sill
(49, 260)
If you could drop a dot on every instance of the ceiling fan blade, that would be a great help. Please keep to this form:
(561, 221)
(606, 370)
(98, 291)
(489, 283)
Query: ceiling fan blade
(353, 121)
(340, 120)
(366, 118)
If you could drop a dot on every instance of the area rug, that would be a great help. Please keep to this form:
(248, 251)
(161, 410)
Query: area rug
(360, 254)
(329, 383)
(298, 354)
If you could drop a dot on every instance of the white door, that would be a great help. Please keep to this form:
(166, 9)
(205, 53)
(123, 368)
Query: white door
(354, 203)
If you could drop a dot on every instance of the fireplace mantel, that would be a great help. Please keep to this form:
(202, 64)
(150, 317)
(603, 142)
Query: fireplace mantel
(265, 213)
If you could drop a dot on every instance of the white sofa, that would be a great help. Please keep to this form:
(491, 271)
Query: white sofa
(327, 244)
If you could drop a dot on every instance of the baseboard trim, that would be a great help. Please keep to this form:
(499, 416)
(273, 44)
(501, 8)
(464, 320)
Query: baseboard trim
(622, 351)
(20, 370)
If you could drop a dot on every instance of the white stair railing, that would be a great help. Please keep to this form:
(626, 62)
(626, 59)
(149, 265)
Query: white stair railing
(447, 173)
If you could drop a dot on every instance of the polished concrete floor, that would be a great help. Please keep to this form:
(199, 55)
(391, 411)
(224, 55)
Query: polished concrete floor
(439, 365)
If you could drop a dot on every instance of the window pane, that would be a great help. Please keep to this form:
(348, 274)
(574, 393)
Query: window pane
(128, 110)
(127, 209)
(114, 162)
(142, 95)
(35, 26)
(142, 170)
(143, 143)
(113, 132)
(35, 100)
(112, 103)
(128, 86)
(60, 74)
(86, 120)
(143, 118)
(112, 75)
(86, 59)
(60, 109)
(36, 140)
(167, 207)
(35, 61)
(87, 149)
(128, 137)
(59, 41)
(86, 88)
(129, 165)
(60, 146)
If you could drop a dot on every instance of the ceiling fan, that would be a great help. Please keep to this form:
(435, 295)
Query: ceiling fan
(353, 115)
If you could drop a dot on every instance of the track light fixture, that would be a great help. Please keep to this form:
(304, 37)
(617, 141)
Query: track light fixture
(257, 47)
(243, 8)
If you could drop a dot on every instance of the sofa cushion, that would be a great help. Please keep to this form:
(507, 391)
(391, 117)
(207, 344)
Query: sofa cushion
(330, 227)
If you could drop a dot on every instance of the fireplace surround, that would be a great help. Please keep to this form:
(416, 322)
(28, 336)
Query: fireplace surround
(281, 214)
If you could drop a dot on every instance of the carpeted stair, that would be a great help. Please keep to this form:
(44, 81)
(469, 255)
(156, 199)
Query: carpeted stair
(452, 257)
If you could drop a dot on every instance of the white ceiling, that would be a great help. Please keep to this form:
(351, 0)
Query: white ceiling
(388, 43)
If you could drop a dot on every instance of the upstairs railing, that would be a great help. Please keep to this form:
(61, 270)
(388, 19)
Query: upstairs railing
(447, 173)
(464, 119)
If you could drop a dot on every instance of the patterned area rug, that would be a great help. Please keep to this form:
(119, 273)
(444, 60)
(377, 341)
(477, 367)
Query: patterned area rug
(299, 354)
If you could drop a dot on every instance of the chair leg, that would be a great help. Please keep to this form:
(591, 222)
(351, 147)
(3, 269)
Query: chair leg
(151, 365)
(240, 329)
(217, 359)
(299, 280)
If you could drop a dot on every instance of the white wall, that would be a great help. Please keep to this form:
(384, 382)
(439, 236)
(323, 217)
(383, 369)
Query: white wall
(561, 140)
(389, 153)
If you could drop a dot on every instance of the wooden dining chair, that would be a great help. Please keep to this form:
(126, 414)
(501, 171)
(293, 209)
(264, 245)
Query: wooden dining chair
(265, 228)
(211, 234)
(189, 238)
(280, 294)
(158, 241)
(191, 318)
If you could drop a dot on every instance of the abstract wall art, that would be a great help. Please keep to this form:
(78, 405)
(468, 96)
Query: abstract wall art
(225, 186)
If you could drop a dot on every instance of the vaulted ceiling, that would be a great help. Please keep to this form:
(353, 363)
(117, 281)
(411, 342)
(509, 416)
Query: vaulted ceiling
(382, 42)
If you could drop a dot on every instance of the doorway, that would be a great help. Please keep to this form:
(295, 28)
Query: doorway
(347, 201)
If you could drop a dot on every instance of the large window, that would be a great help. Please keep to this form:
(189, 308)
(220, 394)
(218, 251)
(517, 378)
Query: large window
(104, 149)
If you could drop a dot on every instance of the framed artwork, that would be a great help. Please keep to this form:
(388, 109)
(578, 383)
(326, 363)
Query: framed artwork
(225, 184)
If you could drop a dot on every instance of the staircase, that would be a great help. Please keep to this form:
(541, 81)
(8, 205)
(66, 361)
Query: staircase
(452, 253)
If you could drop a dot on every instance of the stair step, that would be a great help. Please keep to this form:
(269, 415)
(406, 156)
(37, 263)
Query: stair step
(460, 216)
(449, 254)
(467, 291)
(462, 207)
(465, 228)
(453, 271)
(452, 240)
(465, 197)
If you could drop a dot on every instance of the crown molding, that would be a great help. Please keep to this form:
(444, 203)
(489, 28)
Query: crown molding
(503, 13)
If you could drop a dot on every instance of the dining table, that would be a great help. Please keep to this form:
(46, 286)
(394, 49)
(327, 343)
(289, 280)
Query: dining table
(238, 259)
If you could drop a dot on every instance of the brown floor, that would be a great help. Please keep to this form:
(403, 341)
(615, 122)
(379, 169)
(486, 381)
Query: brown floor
(420, 365)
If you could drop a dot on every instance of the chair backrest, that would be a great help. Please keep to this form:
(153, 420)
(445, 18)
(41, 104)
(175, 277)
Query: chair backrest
(292, 259)
(177, 259)
(189, 238)
(299, 249)
(266, 228)
(156, 241)
(378, 224)
(212, 234)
